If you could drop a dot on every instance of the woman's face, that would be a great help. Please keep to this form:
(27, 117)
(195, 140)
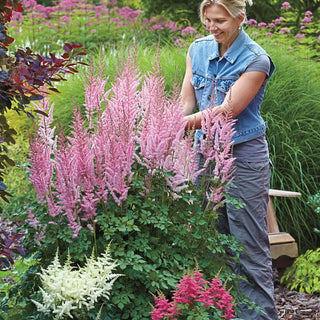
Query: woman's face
(222, 25)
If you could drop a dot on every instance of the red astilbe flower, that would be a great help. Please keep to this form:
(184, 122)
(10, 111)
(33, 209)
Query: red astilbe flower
(163, 308)
(191, 293)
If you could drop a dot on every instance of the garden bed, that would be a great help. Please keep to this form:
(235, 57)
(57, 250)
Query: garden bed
(290, 304)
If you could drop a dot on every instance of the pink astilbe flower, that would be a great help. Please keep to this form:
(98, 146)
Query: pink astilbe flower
(32, 220)
(154, 138)
(94, 95)
(158, 128)
(41, 149)
(83, 165)
(115, 140)
(216, 148)
(161, 132)
(67, 190)
(182, 164)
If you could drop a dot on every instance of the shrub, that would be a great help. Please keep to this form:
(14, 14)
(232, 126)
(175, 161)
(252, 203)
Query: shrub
(304, 274)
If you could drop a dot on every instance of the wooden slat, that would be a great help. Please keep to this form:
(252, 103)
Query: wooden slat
(283, 193)
(280, 237)
(271, 217)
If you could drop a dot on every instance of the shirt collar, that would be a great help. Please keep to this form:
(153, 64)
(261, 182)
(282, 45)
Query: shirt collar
(233, 52)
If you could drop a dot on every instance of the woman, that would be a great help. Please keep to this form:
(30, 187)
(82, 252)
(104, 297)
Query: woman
(227, 70)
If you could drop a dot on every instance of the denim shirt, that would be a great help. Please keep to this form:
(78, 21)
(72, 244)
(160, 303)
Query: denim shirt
(213, 77)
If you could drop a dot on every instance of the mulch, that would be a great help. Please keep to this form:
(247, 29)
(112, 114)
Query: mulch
(291, 305)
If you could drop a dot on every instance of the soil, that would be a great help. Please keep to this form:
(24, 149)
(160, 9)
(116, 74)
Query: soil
(291, 305)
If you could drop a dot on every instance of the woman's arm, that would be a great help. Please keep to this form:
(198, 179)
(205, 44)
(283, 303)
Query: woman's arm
(238, 97)
(188, 97)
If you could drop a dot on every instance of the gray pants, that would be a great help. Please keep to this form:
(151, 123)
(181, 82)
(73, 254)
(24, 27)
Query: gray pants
(249, 225)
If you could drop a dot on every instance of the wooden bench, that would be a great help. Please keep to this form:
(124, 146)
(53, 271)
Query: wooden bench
(283, 246)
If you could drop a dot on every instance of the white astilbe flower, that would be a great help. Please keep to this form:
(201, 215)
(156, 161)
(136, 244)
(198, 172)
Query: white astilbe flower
(66, 289)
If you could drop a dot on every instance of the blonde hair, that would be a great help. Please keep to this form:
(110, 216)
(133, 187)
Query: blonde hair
(234, 7)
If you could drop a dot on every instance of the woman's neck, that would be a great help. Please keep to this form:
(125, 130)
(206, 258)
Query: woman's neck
(223, 47)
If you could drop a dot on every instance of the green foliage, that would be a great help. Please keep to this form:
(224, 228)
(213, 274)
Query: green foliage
(7, 281)
(264, 10)
(304, 274)
(315, 202)
(156, 240)
(185, 13)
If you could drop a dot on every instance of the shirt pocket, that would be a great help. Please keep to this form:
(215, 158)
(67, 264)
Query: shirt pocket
(203, 90)
(223, 86)
(198, 82)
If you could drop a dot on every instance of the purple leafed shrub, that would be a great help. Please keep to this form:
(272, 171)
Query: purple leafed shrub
(10, 245)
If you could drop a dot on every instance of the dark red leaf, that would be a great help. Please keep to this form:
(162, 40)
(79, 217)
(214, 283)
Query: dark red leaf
(54, 90)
